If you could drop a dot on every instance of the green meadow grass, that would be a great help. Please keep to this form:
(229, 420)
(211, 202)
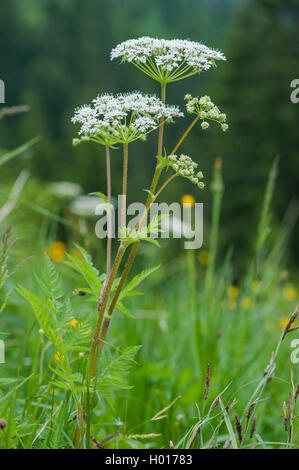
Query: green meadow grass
(156, 358)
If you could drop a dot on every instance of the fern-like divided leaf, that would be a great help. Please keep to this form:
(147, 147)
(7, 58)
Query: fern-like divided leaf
(85, 267)
(50, 281)
(129, 289)
(130, 236)
(45, 315)
(53, 315)
(115, 370)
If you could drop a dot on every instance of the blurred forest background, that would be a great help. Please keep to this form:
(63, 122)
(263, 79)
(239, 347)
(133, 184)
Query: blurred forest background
(55, 56)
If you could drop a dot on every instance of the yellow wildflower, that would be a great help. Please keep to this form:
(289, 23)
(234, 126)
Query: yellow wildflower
(58, 357)
(85, 333)
(56, 251)
(283, 323)
(233, 292)
(76, 324)
(203, 257)
(232, 304)
(73, 323)
(188, 199)
(246, 302)
(289, 292)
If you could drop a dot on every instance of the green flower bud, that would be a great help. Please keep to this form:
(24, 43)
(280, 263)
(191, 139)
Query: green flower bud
(205, 125)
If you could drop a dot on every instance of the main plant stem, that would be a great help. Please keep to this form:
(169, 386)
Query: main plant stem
(104, 297)
(102, 304)
(124, 186)
(150, 199)
(107, 288)
(124, 275)
(109, 216)
(135, 246)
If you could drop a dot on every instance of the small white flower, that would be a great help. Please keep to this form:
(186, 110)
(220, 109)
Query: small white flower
(122, 118)
(167, 60)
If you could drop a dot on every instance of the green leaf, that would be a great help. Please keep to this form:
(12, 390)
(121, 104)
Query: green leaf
(45, 315)
(137, 280)
(123, 309)
(229, 426)
(115, 371)
(85, 267)
(101, 195)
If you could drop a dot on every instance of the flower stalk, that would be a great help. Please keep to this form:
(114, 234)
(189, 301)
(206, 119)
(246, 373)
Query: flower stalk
(109, 218)
(124, 185)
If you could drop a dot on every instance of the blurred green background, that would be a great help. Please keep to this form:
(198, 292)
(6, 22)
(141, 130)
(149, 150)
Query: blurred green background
(55, 56)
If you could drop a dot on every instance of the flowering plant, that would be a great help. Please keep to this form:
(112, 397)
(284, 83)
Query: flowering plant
(167, 60)
(119, 120)
(127, 117)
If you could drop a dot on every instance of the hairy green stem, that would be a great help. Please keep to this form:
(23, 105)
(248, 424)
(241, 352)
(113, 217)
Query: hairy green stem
(134, 248)
(124, 186)
(150, 199)
(102, 304)
(109, 218)
(123, 278)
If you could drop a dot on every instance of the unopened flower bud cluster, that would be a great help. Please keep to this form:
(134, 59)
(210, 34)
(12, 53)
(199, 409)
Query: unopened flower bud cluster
(205, 109)
(184, 166)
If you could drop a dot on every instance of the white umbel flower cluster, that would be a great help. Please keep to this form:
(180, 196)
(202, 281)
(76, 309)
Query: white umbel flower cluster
(122, 118)
(206, 109)
(167, 60)
(185, 166)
